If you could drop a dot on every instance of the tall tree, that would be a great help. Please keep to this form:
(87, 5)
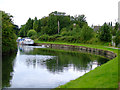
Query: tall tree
(44, 21)
(37, 25)
(80, 20)
(22, 31)
(52, 24)
(104, 33)
(25, 28)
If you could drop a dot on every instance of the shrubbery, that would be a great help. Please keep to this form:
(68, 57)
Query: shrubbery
(31, 33)
(43, 37)
(72, 29)
(34, 37)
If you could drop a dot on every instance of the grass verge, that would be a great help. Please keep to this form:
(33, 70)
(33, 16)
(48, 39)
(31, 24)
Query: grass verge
(105, 76)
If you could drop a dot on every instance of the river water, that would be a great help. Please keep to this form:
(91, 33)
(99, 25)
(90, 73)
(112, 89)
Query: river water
(40, 67)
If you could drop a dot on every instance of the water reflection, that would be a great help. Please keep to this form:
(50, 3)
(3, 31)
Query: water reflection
(7, 69)
(40, 67)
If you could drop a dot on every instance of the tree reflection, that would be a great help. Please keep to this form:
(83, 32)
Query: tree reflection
(64, 60)
(7, 69)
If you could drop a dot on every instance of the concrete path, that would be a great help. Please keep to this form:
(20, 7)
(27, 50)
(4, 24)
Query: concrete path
(112, 47)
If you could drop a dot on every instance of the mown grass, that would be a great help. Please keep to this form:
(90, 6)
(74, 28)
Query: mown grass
(105, 76)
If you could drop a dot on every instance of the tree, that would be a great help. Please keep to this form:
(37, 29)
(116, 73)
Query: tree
(37, 25)
(8, 36)
(31, 33)
(52, 24)
(80, 20)
(28, 26)
(86, 33)
(104, 33)
(116, 26)
(117, 38)
(53, 19)
(44, 21)
(22, 31)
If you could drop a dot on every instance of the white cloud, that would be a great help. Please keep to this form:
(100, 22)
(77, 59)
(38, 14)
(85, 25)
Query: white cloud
(96, 11)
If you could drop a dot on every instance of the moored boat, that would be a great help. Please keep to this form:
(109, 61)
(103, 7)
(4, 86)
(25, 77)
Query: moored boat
(26, 41)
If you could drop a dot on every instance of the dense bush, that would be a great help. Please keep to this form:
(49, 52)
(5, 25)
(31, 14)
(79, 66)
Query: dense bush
(65, 38)
(34, 37)
(54, 37)
(31, 33)
(86, 33)
(43, 37)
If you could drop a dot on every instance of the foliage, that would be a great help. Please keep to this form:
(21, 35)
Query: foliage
(104, 33)
(22, 31)
(46, 30)
(86, 33)
(117, 38)
(71, 29)
(34, 37)
(31, 33)
(49, 25)
(8, 36)
(43, 37)
(26, 27)
(116, 28)
(16, 29)
(52, 24)
(37, 25)
(80, 20)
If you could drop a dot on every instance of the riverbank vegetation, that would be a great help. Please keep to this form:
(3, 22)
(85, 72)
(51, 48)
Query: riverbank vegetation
(9, 31)
(59, 27)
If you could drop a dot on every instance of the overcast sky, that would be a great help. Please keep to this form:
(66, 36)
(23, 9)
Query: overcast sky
(96, 11)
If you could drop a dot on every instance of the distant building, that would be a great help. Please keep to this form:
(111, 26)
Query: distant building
(96, 28)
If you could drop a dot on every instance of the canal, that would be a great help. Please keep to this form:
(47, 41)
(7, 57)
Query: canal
(41, 67)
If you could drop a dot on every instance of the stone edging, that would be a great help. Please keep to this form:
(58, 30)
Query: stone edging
(105, 53)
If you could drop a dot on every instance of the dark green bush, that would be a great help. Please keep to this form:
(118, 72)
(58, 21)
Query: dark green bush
(31, 33)
(34, 37)
(43, 37)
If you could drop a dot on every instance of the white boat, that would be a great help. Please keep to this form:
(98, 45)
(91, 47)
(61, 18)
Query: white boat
(18, 39)
(26, 41)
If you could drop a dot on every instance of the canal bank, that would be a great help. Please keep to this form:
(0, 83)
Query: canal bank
(105, 76)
